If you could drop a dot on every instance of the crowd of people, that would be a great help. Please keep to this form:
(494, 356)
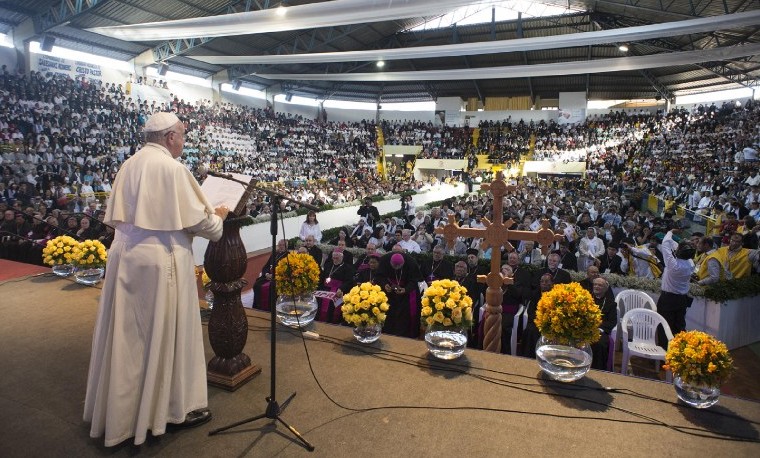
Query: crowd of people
(63, 140)
(605, 231)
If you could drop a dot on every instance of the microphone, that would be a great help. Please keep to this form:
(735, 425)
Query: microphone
(11, 235)
(203, 170)
(226, 176)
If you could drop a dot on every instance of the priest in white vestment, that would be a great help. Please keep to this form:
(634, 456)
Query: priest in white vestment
(147, 367)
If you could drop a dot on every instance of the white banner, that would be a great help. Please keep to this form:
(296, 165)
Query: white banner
(441, 164)
(74, 69)
(573, 116)
(554, 167)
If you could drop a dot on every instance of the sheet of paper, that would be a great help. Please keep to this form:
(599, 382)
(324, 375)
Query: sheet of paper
(330, 296)
(219, 191)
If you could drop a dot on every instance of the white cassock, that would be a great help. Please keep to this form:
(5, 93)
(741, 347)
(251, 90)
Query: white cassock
(147, 366)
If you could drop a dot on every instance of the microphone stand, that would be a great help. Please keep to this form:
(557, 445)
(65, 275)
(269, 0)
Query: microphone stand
(273, 410)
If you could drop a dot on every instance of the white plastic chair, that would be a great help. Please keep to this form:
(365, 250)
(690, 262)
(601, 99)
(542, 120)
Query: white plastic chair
(626, 300)
(522, 312)
(643, 324)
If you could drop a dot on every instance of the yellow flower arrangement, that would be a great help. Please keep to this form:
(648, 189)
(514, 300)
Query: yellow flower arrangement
(446, 303)
(699, 358)
(200, 272)
(567, 314)
(59, 250)
(296, 274)
(90, 253)
(365, 305)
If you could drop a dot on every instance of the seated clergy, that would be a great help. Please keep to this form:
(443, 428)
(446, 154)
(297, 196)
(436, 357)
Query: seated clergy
(361, 261)
(531, 334)
(369, 271)
(437, 267)
(399, 275)
(261, 285)
(337, 277)
(310, 243)
(558, 275)
(606, 302)
(609, 262)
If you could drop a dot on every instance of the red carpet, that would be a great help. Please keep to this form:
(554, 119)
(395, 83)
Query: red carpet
(11, 269)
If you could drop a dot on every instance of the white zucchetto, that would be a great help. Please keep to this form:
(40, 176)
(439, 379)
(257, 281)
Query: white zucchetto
(160, 121)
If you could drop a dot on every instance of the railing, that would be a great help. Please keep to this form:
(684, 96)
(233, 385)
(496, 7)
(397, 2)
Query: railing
(699, 222)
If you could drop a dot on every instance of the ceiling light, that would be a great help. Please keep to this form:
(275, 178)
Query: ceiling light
(282, 10)
(380, 63)
(623, 48)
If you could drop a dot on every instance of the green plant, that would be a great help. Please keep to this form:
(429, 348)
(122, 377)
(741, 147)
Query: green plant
(733, 289)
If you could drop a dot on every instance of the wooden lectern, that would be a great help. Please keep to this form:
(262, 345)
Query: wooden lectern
(225, 262)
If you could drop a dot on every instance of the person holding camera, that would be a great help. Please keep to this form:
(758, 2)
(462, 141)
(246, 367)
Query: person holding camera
(369, 212)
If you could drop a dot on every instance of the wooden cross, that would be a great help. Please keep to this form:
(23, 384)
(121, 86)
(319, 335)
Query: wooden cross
(495, 235)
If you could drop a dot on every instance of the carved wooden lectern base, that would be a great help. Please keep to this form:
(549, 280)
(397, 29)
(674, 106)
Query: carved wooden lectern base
(225, 262)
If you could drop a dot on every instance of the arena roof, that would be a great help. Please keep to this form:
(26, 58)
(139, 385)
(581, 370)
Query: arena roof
(70, 23)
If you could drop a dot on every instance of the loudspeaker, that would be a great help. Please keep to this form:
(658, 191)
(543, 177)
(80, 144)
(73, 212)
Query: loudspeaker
(236, 85)
(47, 43)
(288, 97)
(163, 68)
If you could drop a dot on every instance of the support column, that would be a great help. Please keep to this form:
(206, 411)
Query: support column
(22, 35)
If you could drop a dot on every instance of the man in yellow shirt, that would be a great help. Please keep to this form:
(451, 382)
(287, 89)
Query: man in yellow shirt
(729, 262)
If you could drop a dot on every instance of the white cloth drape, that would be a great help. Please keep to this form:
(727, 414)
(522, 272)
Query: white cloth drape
(538, 70)
(625, 34)
(310, 16)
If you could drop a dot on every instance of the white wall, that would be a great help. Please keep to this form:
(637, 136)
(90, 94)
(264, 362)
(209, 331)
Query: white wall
(238, 99)
(257, 237)
(572, 101)
(190, 93)
(297, 110)
(349, 114)
(9, 58)
(425, 116)
(449, 104)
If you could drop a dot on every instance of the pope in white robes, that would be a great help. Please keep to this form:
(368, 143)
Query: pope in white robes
(147, 367)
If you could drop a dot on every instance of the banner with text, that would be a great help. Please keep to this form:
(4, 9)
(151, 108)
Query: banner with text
(75, 69)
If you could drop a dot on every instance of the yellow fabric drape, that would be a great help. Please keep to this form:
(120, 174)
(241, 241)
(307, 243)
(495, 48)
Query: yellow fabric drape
(472, 104)
(508, 103)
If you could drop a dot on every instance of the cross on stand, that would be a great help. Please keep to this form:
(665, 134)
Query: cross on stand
(495, 235)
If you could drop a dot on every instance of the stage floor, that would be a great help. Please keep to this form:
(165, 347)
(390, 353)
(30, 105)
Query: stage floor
(385, 399)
